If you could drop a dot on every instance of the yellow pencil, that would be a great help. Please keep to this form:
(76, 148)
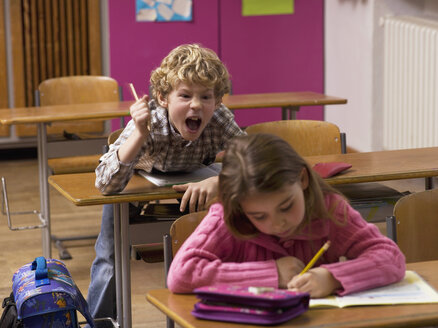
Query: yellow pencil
(136, 99)
(133, 91)
(316, 257)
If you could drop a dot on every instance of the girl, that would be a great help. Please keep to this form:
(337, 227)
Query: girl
(274, 214)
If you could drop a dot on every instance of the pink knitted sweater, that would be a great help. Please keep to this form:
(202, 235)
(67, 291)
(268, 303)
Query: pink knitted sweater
(212, 255)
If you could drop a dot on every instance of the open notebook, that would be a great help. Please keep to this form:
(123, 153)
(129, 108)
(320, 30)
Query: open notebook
(411, 290)
(163, 179)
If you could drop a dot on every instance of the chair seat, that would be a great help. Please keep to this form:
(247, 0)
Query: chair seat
(373, 200)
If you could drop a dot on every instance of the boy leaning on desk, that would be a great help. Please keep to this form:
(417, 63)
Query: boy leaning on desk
(183, 125)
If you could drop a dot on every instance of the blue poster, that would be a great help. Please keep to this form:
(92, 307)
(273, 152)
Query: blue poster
(163, 10)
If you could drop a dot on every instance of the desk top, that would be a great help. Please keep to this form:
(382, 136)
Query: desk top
(80, 190)
(178, 307)
(367, 167)
(280, 99)
(383, 165)
(72, 112)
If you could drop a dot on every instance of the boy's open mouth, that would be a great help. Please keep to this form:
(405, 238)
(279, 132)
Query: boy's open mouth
(193, 123)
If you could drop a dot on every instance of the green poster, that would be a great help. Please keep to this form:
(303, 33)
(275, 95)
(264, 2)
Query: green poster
(264, 7)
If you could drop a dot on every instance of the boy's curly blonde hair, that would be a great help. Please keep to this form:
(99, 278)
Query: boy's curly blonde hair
(192, 64)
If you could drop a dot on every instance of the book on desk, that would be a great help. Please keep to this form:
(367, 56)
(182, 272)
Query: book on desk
(164, 179)
(411, 290)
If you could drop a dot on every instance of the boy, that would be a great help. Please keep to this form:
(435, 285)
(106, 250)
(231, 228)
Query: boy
(189, 126)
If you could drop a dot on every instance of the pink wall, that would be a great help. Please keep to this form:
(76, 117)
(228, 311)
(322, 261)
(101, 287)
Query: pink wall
(263, 53)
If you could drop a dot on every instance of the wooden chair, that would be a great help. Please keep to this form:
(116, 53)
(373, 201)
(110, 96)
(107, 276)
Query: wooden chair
(180, 230)
(311, 138)
(413, 225)
(78, 90)
(307, 137)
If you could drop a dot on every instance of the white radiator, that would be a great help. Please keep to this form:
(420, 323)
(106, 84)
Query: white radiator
(410, 100)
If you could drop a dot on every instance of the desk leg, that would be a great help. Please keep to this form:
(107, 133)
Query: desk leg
(126, 265)
(44, 188)
(289, 112)
(117, 263)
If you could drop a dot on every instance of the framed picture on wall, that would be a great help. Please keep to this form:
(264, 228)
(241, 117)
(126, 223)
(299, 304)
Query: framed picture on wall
(163, 10)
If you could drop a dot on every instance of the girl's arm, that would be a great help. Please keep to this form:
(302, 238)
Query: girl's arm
(373, 260)
(212, 256)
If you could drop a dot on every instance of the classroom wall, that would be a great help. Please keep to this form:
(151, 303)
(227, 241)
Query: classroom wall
(263, 53)
(354, 63)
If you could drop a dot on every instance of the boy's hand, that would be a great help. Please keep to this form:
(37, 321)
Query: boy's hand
(318, 282)
(141, 114)
(287, 268)
(197, 194)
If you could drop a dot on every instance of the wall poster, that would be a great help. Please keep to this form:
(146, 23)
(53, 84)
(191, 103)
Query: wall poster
(163, 10)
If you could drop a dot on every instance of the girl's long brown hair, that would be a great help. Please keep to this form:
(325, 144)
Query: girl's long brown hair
(265, 163)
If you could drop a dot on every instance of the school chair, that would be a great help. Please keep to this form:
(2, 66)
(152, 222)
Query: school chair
(148, 224)
(413, 225)
(310, 138)
(74, 157)
(180, 230)
(307, 137)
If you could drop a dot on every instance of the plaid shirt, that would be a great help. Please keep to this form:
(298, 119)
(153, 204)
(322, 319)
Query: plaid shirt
(165, 149)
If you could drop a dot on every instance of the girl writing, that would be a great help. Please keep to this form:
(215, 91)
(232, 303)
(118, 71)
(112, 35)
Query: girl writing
(274, 213)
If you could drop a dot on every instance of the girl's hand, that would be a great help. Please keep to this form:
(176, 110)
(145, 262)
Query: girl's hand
(197, 194)
(318, 282)
(141, 115)
(287, 268)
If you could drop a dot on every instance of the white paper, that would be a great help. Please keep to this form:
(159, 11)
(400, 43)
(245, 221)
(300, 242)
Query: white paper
(411, 290)
(149, 15)
(165, 11)
(182, 7)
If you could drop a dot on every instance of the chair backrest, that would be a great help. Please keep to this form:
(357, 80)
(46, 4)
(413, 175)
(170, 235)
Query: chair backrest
(307, 137)
(79, 89)
(180, 230)
(416, 222)
(183, 227)
(114, 135)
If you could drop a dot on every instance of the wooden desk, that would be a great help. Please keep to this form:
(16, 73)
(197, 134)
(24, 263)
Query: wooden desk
(289, 102)
(383, 165)
(45, 115)
(79, 189)
(74, 112)
(178, 307)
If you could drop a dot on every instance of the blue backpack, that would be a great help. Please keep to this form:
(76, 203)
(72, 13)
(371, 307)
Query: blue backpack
(46, 295)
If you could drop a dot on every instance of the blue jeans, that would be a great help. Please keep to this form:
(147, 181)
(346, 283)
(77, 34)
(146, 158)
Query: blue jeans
(101, 296)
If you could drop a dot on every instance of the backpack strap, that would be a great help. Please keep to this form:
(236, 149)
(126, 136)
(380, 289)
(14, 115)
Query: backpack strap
(9, 317)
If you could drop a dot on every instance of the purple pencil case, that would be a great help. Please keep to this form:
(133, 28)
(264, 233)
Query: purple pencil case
(253, 305)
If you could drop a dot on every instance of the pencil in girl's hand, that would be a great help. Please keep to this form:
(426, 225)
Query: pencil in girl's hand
(316, 257)
(133, 91)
